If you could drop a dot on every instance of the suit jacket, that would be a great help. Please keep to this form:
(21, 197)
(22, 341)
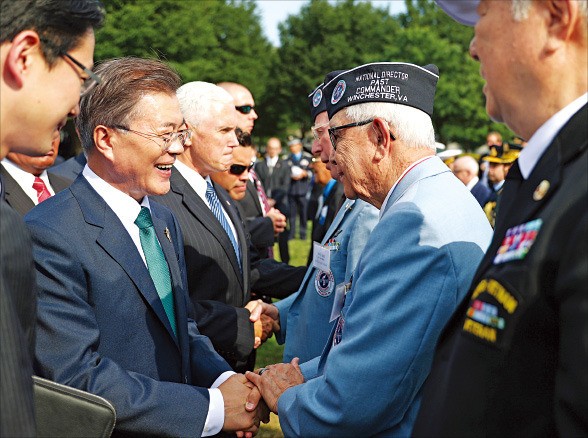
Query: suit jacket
(302, 186)
(18, 304)
(528, 364)
(17, 198)
(70, 168)
(102, 327)
(214, 275)
(481, 192)
(332, 203)
(304, 316)
(277, 184)
(417, 264)
(260, 228)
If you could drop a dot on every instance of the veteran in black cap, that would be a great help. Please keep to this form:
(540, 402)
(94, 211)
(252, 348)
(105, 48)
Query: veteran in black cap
(417, 263)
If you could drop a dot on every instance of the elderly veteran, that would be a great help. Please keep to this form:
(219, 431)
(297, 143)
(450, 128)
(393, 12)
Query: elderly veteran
(416, 266)
(305, 317)
(513, 360)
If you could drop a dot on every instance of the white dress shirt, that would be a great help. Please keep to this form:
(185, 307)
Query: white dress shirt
(25, 179)
(543, 137)
(127, 210)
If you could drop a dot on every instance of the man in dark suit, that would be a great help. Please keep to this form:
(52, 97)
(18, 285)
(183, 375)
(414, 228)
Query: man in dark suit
(512, 360)
(215, 242)
(300, 178)
(70, 168)
(26, 180)
(39, 87)
(274, 174)
(466, 169)
(113, 305)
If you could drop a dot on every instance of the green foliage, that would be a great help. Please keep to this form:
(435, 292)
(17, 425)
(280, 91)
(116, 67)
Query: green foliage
(222, 40)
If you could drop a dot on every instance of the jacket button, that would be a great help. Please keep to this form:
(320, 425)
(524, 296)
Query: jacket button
(186, 379)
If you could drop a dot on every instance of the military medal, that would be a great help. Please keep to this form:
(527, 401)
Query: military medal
(541, 190)
(518, 241)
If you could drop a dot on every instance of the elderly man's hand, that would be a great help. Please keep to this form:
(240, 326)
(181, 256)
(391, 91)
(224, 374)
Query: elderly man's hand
(273, 380)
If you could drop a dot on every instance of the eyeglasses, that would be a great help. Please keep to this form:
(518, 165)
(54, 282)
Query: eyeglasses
(315, 130)
(168, 139)
(238, 169)
(245, 109)
(91, 81)
(333, 136)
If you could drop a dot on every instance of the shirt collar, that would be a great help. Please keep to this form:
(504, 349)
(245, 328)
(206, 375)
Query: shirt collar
(194, 179)
(124, 206)
(543, 137)
(472, 183)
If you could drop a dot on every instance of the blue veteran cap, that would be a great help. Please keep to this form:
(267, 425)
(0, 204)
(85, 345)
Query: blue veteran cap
(316, 100)
(462, 11)
(389, 82)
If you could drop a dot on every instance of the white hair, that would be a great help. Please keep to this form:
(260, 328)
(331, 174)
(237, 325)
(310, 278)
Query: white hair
(413, 126)
(520, 8)
(468, 163)
(197, 99)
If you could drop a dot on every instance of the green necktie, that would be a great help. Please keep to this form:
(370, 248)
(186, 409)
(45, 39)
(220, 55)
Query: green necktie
(156, 264)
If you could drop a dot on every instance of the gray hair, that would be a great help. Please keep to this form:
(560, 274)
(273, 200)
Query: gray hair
(413, 126)
(197, 98)
(520, 8)
(469, 163)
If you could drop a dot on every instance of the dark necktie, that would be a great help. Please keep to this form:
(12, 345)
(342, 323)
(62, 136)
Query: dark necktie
(42, 191)
(217, 210)
(156, 264)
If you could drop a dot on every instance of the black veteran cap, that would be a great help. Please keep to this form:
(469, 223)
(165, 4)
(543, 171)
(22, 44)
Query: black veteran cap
(316, 99)
(389, 82)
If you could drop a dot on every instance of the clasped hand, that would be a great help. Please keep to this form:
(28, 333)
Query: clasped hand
(265, 318)
(274, 380)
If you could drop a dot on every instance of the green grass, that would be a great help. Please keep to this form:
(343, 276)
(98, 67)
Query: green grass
(271, 352)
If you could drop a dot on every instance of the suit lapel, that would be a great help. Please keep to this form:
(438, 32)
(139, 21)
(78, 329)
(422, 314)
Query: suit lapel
(202, 213)
(115, 240)
(14, 195)
(233, 213)
(253, 193)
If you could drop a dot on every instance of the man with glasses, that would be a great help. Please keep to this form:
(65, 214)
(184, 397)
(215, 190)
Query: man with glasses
(305, 317)
(417, 262)
(113, 305)
(40, 86)
(243, 103)
(214, 237)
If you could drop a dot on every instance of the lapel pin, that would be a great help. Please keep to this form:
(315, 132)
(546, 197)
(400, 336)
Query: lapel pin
(541, 190)
(166, 232)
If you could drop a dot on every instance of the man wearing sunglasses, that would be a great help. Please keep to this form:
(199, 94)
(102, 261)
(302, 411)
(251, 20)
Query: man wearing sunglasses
(417, 262)
(40, 86)
(244, 104)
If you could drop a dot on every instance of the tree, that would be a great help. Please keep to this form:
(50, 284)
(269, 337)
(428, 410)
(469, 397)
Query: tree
(209, 41)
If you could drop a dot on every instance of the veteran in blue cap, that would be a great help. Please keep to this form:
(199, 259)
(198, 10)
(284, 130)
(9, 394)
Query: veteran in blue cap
(513, 359)
(417, 264)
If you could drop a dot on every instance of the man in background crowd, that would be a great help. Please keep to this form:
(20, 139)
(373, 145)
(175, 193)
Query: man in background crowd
(466, 169)
(300, 178)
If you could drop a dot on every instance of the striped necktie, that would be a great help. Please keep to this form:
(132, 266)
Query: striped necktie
(217, 210)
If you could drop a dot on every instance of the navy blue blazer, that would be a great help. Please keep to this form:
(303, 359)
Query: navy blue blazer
(481, 192)
(101, 325)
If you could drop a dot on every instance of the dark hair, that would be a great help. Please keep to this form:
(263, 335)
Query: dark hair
(124, 82)
(244, 138)
(59, 23)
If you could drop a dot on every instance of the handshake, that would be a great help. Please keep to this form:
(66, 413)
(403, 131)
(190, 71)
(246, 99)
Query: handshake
(258, 392)
(266, 320)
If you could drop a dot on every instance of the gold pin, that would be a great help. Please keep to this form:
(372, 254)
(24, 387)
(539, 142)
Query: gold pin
(541, 190)
(166, 232)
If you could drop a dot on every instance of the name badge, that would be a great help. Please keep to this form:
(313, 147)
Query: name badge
(321, 257)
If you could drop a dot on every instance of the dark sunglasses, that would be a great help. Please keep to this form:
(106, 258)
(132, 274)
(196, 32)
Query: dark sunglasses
(238, 169)
(245, 109)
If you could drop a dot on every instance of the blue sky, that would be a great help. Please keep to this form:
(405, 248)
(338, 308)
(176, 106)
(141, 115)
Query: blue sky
(276, 11)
